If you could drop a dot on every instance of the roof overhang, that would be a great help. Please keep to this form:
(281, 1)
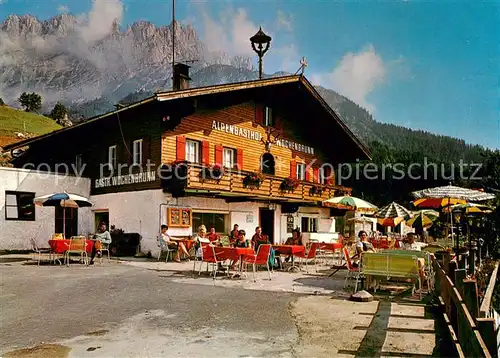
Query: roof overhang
(304, 84)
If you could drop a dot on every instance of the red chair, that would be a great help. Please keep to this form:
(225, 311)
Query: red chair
(352, 272)
(261, 258)
(311, 254)
(208, 256)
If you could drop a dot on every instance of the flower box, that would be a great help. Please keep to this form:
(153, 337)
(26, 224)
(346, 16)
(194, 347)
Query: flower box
(213, 172)
(254, 180)
(289, 184)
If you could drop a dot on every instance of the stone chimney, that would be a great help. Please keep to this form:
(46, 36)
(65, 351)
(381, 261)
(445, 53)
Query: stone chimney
(181, 76)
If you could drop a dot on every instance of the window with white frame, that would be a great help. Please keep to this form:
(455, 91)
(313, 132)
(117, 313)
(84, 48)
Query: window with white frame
(112, 157)
(19, 206)
(192, 151)
(301, 171)
(78, 163)
(268, 117)
(309, 224)
(229, 158)
(137, 152)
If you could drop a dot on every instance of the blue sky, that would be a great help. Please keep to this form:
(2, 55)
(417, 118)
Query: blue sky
(432, 65)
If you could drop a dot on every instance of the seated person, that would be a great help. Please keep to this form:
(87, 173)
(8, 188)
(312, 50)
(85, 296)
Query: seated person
(234, 234)
(165, 240)
(410, 243)
(296, 239)
(362, 245)
(259, 238)
(241, 242)
(212, 235)
(104, 237)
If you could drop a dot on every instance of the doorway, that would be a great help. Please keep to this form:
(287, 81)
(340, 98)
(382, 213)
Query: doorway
(266, 220)
(101, 216)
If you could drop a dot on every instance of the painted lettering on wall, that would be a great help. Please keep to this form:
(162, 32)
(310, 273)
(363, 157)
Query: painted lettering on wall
(253, 135)
(125, 179)
(232, 129)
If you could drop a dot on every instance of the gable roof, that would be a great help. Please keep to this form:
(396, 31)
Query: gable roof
(206, 91)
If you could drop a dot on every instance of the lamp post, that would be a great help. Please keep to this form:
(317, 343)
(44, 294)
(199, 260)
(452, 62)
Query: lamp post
(260, 44)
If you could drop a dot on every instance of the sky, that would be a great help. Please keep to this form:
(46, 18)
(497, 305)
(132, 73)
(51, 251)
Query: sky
(430, 65)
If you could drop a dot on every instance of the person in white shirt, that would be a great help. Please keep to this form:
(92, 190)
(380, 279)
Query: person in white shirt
(166, 241)
(411, 245)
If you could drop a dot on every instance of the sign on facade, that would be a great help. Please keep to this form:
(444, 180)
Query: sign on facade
(249, 218)
(126, 179)
(289, 223)
(254, 135)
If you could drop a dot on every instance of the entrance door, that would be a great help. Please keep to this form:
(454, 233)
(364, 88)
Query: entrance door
(266, 219)
(66, 220)
(99, 217)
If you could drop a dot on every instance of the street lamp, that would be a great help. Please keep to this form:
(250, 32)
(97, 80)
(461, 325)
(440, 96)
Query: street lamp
(260, 44)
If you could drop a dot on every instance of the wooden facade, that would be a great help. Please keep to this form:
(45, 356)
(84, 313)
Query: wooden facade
(303, 130)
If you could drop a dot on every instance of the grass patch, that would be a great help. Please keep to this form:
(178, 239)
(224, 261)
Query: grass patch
(14, 120)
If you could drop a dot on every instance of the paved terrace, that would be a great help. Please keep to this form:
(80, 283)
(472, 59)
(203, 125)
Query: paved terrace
(150, 309)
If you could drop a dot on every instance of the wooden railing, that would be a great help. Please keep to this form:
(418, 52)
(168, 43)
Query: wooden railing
(470, 335)
(232, 182)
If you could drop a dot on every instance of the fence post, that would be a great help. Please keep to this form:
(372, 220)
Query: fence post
(486, 328)
(470, 297)
(460, 275)
(452, 266)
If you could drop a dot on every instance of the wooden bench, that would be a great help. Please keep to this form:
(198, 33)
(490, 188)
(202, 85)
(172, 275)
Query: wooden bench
(388, 264)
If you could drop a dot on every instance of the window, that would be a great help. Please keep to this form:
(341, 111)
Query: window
(309, 224)
(322, 176)
(112, 157)
(268, 117)
(137, 152)
(216, 220)
(66, 221)
(19, 206)
(267, 164)
(192, 151)
(229, 158)
(301, 171)
(78, 163)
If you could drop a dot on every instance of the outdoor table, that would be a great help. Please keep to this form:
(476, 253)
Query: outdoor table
(292, 250)
(233, 254)
(333, 247)
(61, 246)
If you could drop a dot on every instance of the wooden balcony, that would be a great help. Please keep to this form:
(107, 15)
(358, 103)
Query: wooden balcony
(231, 184)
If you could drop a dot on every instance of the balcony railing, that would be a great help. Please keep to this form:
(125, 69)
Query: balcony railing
(231, 183)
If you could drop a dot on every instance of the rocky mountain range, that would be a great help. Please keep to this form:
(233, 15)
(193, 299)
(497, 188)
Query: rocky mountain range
(90, 68)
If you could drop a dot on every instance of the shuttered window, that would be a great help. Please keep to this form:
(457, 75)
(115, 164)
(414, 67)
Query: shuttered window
(137, 152)
(301, 171)
(229, 158)
(192, 151)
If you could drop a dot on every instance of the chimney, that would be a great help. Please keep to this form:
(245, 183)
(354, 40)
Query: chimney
(181, 76)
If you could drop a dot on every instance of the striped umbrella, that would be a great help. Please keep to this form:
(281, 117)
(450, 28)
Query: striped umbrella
(390, 221)
(437, 202)
(450, 192)
(423, 219)
(470, 209)
(391, 211)
(350, 203)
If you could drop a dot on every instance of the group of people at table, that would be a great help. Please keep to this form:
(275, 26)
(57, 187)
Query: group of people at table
(237, 239)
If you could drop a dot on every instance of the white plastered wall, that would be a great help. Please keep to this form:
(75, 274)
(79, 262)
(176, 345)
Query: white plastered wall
(15, 235)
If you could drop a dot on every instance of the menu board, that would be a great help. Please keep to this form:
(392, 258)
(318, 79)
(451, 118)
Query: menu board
(289, 223)
(179, 217)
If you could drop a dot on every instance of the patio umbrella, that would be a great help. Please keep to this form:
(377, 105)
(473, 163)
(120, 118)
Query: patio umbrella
(63, 200)
(391, 221)
(448, 195)
(470, 209)
(350, 202)
(423, 219)
(393, 210)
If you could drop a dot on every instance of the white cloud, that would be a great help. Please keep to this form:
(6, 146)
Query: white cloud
(63, 9)
(284, 21)
(230, 33)
(100, 19)
(356, 76)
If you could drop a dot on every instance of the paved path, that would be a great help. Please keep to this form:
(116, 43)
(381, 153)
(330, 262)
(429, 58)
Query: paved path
(157, 309)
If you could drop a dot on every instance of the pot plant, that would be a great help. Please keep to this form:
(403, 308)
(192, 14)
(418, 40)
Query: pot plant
(254, 179)
(316, 190)
(289, 184)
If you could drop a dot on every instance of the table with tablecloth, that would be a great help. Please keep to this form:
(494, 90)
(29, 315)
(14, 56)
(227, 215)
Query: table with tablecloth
(333, 247)
(291, 250)
(233, 254)
(61, 246)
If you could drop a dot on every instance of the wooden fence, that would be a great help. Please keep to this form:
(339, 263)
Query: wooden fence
(470, 334)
